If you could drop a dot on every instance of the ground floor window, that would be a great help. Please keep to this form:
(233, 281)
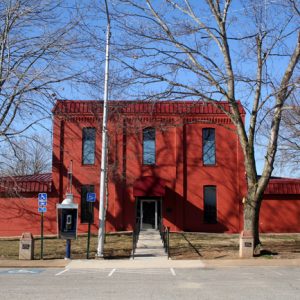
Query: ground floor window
(210, 205)
(87, 208)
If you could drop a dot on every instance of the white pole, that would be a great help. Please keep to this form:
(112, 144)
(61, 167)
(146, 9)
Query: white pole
(103, 169)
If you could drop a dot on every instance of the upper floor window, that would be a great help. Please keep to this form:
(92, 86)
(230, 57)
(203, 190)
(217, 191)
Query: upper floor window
(210, 205)
(149, 146)
(88, 145)
(209, 146)
(87, 208)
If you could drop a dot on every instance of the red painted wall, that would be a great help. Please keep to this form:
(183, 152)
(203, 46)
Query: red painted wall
(20, 214)
(280, 214)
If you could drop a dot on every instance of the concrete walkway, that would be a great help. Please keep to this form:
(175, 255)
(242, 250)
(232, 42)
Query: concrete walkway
(149, 245)
(162, 263)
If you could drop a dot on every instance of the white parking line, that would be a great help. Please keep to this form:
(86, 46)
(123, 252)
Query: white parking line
(144, 271)
(59, 273)
(111, 272)
(278, 273)
(89, 271)
(173, 271)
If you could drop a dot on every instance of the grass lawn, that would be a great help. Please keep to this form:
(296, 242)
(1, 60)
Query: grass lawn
(118, 245)
(182, 246)
(225, 246)
(203, 246)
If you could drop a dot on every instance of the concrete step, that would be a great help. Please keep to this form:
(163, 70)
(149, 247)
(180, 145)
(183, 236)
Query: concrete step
(150, 252)
(146, 240)
(149, 245)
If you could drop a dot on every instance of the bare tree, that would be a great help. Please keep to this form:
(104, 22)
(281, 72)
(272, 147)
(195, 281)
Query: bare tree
(215, 50)
(27, 156)
(41, 48)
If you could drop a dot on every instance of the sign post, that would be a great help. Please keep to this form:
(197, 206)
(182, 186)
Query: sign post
(42, 235)
(42, 201)
(90, 199)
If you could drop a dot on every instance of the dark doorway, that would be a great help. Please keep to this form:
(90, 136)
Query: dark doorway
(149, 212)
(148, 215)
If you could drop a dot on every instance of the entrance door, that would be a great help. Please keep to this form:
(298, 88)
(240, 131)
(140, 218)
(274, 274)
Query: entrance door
(149, 214)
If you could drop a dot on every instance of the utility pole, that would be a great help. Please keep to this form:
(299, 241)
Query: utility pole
(103, 170)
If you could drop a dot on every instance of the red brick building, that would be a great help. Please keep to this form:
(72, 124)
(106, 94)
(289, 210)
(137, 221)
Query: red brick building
(179, 163)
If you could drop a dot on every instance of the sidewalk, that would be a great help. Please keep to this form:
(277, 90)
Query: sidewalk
(153, 263)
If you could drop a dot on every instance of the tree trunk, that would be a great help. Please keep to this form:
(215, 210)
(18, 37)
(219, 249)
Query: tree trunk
(251, 216)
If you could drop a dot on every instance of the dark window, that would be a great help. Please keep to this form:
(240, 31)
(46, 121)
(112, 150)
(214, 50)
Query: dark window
(149, 146)
(87, 208)
(88, 146)
(209, 146)
(210, 205)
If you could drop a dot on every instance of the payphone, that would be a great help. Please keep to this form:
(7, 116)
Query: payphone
(67, 215)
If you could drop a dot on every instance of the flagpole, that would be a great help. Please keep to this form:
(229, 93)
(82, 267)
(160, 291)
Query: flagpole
(103, 169)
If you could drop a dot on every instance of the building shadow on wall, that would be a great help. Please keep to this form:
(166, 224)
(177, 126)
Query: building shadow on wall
(183, 214)
(20, 214)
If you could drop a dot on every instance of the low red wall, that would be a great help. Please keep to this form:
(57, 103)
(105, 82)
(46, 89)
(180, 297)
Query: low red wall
(20, 214)
(280, 216)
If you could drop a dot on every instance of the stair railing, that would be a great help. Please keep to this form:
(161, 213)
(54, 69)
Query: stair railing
(135, 236)
(165, 236)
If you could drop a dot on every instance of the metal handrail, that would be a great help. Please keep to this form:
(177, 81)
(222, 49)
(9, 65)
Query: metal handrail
(165, 236)
(135, 236)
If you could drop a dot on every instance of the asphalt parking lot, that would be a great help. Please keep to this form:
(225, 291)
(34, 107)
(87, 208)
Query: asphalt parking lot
(158, 283)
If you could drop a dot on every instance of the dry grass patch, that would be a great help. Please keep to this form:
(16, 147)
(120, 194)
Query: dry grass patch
(117, 245)
(203, 246)
(226, 246)
(182, 246)
(9, 249)
(281, 245)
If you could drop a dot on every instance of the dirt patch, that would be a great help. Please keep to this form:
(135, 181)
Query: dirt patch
(117, 245)
(225, 246)
(281, 246)
(203, 246)
(182, 246)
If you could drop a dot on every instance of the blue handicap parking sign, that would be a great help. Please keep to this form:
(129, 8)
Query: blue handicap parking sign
(91, 197)
(42, 196)
(42, 209)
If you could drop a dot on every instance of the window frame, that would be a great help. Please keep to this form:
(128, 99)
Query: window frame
(204, 161)
(87, 207)
(145, 163)
(94, 150)
(207, 212)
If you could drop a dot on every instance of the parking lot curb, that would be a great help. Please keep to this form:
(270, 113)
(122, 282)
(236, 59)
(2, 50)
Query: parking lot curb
(147, 263)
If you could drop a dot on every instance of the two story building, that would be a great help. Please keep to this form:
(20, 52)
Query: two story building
(176, 163)
(179, 163)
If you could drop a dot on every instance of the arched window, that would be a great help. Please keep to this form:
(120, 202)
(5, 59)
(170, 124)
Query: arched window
(208, 146)
(88, 145)
(149, 146)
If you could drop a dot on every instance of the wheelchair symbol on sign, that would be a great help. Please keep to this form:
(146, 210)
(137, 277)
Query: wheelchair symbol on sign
(42, 196)
(91, 197)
